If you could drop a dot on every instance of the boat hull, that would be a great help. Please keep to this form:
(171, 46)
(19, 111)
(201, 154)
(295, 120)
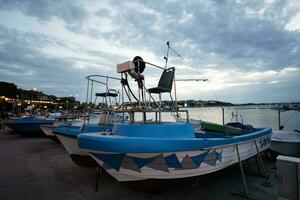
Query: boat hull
(174, 165)
(286, 143)
(77, 155)
(286, 148)
(67, 135)
(48, 130)
(28, 128)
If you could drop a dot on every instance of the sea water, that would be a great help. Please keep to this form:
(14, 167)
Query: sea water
(257, 116)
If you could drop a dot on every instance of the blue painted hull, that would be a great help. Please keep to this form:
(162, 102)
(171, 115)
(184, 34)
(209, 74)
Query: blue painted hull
(28, 125)
(135, 152)
(74, 131)
(165, 138)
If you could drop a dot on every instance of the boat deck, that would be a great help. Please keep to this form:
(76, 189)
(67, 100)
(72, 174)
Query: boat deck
(40, 168)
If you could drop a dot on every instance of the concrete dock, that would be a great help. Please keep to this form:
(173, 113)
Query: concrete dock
(40, 168)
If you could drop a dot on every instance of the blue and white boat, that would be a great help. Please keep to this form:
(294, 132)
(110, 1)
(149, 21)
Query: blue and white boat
(135, 152)
(97, 120)
(48, 129)
(138, 151)
(67, 135)
(28, 125)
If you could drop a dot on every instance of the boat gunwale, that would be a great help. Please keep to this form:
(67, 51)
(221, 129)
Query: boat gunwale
(207, 143)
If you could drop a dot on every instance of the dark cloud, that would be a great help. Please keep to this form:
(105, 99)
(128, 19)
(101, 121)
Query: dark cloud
(22, 62)
(224, 28)
(245, 35)
(74, 14)
(223, 34)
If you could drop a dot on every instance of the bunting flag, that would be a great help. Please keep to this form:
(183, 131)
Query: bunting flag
(113, 160)
(198, 159)
(172, 161)
(159, 162)
(141, 162)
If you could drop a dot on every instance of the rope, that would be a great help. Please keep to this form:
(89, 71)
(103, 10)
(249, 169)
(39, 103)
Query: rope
(188, 63)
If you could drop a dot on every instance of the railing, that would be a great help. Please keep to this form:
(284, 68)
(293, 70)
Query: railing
(132, 112)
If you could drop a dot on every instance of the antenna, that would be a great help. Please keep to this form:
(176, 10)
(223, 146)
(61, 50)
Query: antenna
(167, 57)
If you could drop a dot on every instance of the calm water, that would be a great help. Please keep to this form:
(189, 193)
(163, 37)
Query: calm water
(250, 115)
(253, 115)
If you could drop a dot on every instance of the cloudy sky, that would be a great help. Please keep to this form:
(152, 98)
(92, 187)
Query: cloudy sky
(249, 50)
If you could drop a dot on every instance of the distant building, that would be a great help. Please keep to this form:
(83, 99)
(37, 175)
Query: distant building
(12, 97)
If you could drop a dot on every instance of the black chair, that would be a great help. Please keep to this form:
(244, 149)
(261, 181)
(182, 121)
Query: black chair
(165, 83)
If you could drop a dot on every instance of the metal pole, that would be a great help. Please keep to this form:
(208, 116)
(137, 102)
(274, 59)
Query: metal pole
(187, 117)
(168, 44)
(122, 93)
(144, 117)
(99, 172)
(279, 119)
(261, 164)
(175, 93)
(160, 104)
(86, 103)
(242, 170)
(139, 96)
(144, 95)
(223, 119)
(106, 93)
(91, 97)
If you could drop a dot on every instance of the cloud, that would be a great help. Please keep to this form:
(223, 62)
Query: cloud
(220, 33)
(22, 61)
(233, 43)
(47, 9)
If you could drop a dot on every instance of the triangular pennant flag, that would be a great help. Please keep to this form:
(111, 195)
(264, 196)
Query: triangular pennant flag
(199, 158)
(159, 163)
(219, 156)
(128, 163)
(141, 162)
(187, 163)
(210, 159)
(113, 160)
(172, 161)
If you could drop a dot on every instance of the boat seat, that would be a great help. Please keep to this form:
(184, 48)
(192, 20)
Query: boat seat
(106, 94)
(165, 82)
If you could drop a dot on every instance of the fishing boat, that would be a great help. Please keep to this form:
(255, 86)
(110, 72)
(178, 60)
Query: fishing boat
(48, 129)
(106, 118)
(55, 115)
(286, 143)
(141, 150)
(28, 125)
(67, 135)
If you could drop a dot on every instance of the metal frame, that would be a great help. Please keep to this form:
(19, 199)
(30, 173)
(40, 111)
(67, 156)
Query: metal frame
(91, 79)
